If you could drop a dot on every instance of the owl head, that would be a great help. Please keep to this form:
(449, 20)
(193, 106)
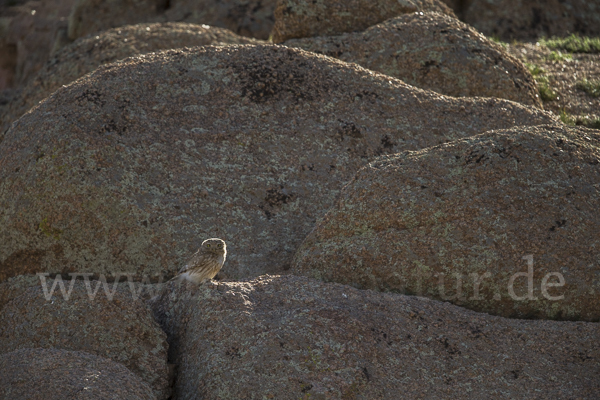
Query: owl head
(214, 245)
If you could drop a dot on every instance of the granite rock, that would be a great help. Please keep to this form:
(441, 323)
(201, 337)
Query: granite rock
(130, 168)
(16, 286)
(308, 18)
(252, 18)
(288, 337)
(51, 374)
(432, 51)
(110, 324)
(88, 53)
(505, 222)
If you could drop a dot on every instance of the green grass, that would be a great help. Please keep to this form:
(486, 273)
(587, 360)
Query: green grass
(574, 44)
(496, 39)
(558, 56)
(568, 119)
(590, 87)
(534, 69)
(593, 123)
(546, 92)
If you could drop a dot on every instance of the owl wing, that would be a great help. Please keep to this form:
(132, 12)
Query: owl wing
(192, 261)
(184, 268)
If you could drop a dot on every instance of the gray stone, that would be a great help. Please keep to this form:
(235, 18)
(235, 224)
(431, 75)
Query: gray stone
(252, 18)
(16, 286)
(308, 18)
(130, 168)
(119, 327)
(453, 222)
(51, 374)
(287, 337)
(432, 51)
(88, 53)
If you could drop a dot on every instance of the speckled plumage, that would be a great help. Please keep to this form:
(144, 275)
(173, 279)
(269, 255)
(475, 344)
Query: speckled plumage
(205, 263)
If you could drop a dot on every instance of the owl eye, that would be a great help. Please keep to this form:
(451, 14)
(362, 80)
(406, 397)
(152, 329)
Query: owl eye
(207, 245)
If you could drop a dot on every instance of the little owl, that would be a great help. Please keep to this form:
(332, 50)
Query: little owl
(205, 263)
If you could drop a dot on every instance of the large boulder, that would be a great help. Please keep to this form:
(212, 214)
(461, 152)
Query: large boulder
(432, 51)
(51, 374)
(308, 18)
(87, 54)
(130, 168)
(110, 324)
(245, 17)
(505, 222)
(288, 337)
(530, 20)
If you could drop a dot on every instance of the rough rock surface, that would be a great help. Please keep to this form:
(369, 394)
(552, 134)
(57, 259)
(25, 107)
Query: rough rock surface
(51, 374)
(119, 328)
(288, 337)
(131, 167)
(432, 51)
(530, 20)
(245, 17)
(308, 18)
(86, 54)
(424, 222)
(15, 286)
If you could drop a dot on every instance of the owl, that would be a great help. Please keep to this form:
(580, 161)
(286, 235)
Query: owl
(205, 263)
